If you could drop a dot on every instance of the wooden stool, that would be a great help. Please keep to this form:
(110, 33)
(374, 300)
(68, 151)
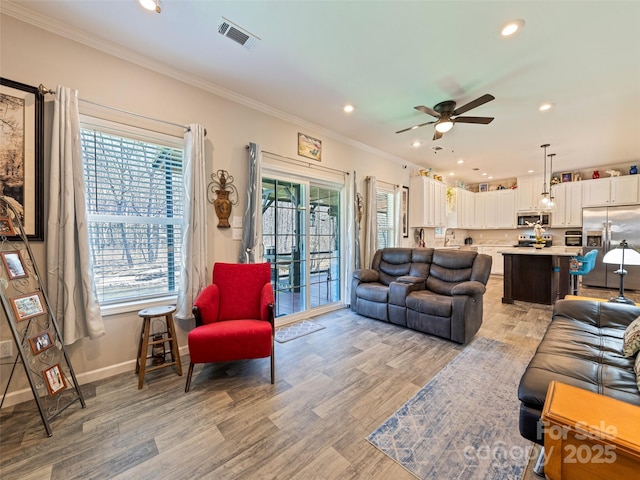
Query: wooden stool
(143, 346)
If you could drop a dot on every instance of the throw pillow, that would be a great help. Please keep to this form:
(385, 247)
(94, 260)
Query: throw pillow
(637, 368)
(631, 343)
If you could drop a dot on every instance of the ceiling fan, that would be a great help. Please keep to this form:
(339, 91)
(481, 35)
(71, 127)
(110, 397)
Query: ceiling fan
(447, 114)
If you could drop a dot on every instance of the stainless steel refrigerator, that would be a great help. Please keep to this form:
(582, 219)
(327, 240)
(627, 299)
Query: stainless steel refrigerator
(603, 228)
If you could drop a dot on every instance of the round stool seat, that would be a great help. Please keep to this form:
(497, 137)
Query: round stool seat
(157, 311)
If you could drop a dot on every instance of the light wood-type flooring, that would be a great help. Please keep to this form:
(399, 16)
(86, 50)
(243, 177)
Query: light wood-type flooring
(333, 388)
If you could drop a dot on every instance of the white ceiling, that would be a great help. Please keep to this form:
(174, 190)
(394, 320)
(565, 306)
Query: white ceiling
(385, 57)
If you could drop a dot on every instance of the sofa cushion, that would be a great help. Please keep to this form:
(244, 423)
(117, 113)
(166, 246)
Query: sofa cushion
(393, 263)
(430, 303)
(374, 292)
(631, 344)
(449, 268)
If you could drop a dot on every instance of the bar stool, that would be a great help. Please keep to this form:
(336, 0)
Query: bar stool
(581, 265)
(168, 336)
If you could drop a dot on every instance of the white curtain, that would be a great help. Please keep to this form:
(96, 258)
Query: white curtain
(351, 253)
(370, 222)
(70, 285)
(251, 251)
(194, 240)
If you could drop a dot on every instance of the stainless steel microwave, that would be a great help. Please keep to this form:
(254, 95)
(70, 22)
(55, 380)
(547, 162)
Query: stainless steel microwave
(532, 217)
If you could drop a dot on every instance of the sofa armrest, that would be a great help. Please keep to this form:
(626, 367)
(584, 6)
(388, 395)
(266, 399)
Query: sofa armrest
(399, 290)
(366, 275)
(411, 279)
(470, 288)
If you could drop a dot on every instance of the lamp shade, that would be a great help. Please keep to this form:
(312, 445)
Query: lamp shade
(622, 255)
(444, 126)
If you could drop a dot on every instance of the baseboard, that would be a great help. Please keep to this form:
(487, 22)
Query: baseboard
(24, 395)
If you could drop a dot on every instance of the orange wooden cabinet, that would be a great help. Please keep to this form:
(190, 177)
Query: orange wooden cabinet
(589, 436)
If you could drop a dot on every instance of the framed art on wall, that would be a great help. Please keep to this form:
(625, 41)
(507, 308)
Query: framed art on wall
(21, 153)
(566, 177)
(404, 211)
(309, 147)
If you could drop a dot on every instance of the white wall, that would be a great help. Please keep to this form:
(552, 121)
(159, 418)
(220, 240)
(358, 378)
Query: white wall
(32, 56)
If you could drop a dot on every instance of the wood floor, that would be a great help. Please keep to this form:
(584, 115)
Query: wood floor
(333, 387)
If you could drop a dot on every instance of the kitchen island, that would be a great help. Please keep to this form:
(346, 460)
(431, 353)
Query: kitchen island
(537, 275)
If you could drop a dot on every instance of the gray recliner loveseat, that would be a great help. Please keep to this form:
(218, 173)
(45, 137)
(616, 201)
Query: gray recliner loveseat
(438, 292)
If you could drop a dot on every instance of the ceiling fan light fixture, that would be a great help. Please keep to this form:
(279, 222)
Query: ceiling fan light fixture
(444, 126)
(512, 27)
(151, 5)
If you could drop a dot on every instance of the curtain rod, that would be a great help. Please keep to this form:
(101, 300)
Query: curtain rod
(300, 162)
(386, 183)
(44, 90)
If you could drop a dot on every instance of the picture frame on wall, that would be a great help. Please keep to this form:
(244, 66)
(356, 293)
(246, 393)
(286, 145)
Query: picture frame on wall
(13, 264)
(483, 187)
(54, 379)
(22, 153)
(309, 147)
(566, 177)
(28, 306)
(40, 342)
(404, 211)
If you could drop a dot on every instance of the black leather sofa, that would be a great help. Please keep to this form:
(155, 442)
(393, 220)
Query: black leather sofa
(438, 292)
(581, 347)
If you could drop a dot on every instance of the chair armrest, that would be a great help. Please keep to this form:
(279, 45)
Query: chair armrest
(366, 275)
(411, 279)
(470, 288)
(267, 303)
(206, 306)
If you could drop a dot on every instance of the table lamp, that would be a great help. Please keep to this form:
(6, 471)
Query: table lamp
(623, 255)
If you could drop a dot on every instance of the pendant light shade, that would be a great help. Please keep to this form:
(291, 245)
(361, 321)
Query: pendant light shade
(545, 197)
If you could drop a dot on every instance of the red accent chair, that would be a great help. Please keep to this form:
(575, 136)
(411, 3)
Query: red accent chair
(234, 316)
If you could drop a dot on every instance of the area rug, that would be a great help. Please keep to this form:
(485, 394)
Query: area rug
(296, 330)
(464, 423)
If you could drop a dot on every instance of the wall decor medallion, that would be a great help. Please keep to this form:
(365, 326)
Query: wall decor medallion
(22, 153)
(309, 147)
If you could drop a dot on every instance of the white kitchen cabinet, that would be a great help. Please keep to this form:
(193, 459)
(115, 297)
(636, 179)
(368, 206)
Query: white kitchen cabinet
(463, 213)
(495, 209)
(611, 191)
(497, 263)
(568, 209)
(528, 193)
(427, 203)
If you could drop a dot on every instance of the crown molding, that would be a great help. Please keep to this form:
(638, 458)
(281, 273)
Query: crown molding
(15, 10)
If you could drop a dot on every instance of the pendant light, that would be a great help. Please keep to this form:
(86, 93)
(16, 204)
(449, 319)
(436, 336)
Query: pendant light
(552, 199)
(543, 204)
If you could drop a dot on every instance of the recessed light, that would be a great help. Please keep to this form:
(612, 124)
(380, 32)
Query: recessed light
(484, 174)
(348, 108)
(416, 144)
(460, 162)
(451, 173)
(512, 27)
(490, 177)
(529, 171)
(545, 106)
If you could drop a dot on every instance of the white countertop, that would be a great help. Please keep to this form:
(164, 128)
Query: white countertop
(558, 251)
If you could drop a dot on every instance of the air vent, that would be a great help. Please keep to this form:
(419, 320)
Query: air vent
(238, 34)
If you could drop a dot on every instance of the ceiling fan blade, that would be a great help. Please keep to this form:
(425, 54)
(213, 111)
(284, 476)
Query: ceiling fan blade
(437, 135)
(475, 103)
(427, 110)
(483, 120)
(414, 127)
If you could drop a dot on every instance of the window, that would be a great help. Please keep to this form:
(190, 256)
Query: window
(386, 221)
(135, 197)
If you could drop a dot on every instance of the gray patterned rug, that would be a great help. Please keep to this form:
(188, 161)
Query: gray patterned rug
(296, 330)
(464, 422)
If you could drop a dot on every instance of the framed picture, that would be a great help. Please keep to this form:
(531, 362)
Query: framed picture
(40, 342)
(13, 264)
(484, 187)
(6, 227)
(404, 211)
(566, 177)
(309, 147)
(28, 306)
(54, 379)
(22, 153)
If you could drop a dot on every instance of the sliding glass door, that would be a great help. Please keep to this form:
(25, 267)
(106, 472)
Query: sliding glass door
(302, 241)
